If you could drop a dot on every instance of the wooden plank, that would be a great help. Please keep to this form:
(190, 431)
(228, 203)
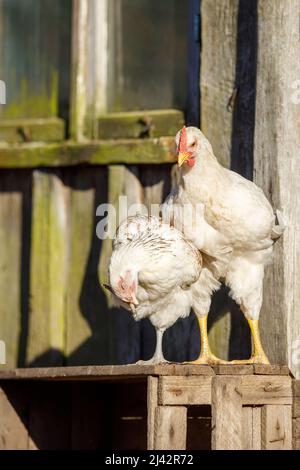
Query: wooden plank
(296, 388)
(227, 91)
(184, 390)
(277, 168)
(251, 428)
(256, 423)
(88, 323)
(258, 390)
(233, 369)
(276, 427)
(136, 124)
(31, 130)
(217, 76)
(89, 66)
(296, 398)
(104, 152)
(170, 428)
(81, 372)
(227, 415)
(271, 369)
(247, 428)
(14, 221)
(124, 334)
(37, 83)
(296, 428)
(46, 336)
(152, 395)
(13, 424)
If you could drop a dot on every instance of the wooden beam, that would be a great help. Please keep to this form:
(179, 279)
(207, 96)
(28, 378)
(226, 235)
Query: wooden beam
(89, 66)
(170, 428)
(185, 390)
(253, 390)
(251, 428)
(32, 130)
(102, 152)
(135, 124)
(152, 393)
(48, 269)
(227, 416)
(277, 427)
(96, 372)
(257, 390)
(277, 171)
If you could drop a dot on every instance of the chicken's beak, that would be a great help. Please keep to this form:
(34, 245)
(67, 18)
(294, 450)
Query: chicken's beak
(182, 157)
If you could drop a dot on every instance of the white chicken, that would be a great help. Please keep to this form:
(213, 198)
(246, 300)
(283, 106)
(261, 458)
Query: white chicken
(236, 209)
(154, 273)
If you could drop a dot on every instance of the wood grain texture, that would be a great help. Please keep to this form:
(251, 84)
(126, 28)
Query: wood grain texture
(152, 402)
(96, 152)
(170, 428)
(14, 206)
(296, 398)
(218, 58)
(48, 270)
(89, 66)
(277, 170)
(140, 124)
(32, 130)
(227, 414)
(256, 390)
(81, 372)
(227, 83)
(276, 427)
(184, 390)
(251, 428)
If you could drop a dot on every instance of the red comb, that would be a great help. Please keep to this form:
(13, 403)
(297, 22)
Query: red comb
(182, 141)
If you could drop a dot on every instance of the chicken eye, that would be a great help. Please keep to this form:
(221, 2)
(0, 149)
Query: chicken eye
(193, 144)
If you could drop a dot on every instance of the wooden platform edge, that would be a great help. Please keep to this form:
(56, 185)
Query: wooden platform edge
(136, 370)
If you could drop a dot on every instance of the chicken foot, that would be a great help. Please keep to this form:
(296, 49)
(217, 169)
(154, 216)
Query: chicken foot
(258, 355)
(158, 357)
(206, 356)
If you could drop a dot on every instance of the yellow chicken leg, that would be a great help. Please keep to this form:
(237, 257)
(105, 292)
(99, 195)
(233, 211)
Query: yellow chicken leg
(206, 356)
(258, 354)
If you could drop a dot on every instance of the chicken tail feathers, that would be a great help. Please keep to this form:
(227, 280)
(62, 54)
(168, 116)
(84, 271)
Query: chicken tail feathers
(279, 227)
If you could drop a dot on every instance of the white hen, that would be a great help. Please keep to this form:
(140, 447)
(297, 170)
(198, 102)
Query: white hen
(154, 272)
(236, 209)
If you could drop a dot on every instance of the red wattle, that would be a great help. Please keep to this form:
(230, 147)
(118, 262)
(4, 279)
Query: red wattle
(190, 162)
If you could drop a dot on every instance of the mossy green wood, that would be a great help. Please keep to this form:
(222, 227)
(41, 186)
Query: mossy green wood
(131, 151)
(122, 181)
(35, 56)
(46, 336)
(10, 264)
(81, 225)
(89, 338)
(32, 130)
(135, 124)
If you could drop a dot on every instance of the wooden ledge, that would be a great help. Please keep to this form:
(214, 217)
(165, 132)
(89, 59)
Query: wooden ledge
(134, 371)
(97, 152)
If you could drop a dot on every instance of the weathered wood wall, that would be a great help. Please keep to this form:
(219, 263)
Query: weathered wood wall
(53, 309)
(277, 170)
(227, 90)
